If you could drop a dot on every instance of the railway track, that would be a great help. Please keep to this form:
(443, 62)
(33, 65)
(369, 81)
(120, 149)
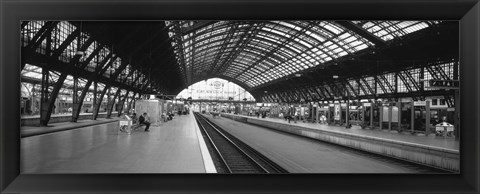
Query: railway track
(234, 155)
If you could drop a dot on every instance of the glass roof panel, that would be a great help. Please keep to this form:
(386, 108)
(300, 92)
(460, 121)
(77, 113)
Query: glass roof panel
(256, 52)
(388, 30)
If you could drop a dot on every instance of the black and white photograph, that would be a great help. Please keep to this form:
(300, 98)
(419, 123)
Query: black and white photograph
(240, 97)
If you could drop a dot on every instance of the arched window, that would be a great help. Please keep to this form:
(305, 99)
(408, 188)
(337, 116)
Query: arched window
(215, 89)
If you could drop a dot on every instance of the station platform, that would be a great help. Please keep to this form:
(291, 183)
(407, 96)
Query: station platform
(434, 151)
(27, 131)
(171, 147)
(34, 120)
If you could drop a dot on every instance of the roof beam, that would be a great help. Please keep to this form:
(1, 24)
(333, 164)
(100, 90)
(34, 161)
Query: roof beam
(196, 26)
(362, 32)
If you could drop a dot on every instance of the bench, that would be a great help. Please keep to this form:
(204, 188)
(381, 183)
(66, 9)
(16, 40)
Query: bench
(136, 125)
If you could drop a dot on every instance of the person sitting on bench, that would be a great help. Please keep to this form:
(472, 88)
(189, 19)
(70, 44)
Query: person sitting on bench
(134, 119)
(143, 120)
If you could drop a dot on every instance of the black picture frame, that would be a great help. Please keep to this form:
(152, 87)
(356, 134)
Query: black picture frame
(13, 11)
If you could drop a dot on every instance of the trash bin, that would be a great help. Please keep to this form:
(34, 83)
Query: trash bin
(125, 124)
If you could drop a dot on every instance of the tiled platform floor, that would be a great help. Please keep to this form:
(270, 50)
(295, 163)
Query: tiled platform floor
(172, 147)
(27, 131)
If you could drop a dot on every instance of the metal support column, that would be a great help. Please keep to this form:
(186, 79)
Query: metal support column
(121, 104)
(347, 115)
(112, 103)
(427, 116)
(94, 103)
(75, 104)
(44, 101)
(456, 122)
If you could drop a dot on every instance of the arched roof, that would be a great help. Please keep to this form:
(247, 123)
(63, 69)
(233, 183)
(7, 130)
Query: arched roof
(258, 52)
(164, 57)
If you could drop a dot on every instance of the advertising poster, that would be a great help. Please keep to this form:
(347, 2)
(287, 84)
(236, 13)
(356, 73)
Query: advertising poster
(395, 114)
(337, 112)
(385, 114)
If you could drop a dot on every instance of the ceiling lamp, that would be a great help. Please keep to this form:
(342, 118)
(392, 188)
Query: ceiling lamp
(298, 75)
(335, 77)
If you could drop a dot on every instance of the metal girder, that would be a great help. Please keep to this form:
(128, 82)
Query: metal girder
(108, 85)
(129, 106)
(354, 92)
(432, 72)
(362, 32)
(112, 103)
(196, 26)
(41, 34)
(360, 85)
(303, 94)
(377, 81)
(367, 85)
(405, 82)
(386, 82)
(65, 43)
(240, 45)
(215, 65)
(412, 80)
(45, 119)
(92, 78)
(279, 96)
(24, 23)
(442, 73)
(44, 100)
(85, 63)
(325, 92)
(42, 61)
(121, 103)
(278, 47)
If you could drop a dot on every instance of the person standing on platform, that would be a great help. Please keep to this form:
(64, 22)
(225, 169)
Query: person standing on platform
(297, 115)
(143, 120)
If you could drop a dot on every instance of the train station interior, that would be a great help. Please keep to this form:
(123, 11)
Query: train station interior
(288, 96)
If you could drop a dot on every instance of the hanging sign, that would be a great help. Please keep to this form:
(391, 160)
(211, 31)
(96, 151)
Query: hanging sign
(420, 103)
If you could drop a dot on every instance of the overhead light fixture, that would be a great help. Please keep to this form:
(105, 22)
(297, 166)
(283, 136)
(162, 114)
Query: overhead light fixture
(298, 75)
(335, 77)
(265, 91)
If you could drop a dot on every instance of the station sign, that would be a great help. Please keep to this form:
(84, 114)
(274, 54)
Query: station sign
(420, 103)
(444, 84)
